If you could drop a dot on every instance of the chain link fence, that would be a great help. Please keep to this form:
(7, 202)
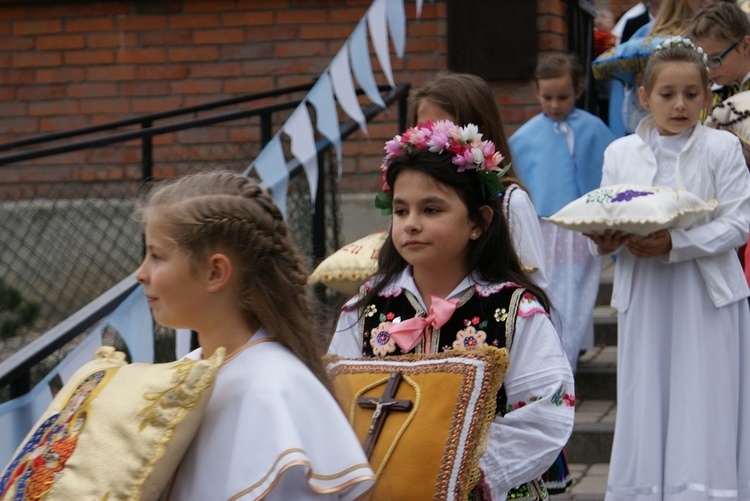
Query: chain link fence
(64, 243)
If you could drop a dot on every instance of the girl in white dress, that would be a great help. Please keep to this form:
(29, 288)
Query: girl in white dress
(683, 383)
(220, 261)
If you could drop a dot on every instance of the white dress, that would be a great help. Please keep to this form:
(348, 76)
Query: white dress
(525, 441)
(271, 431)
(525, 233)
(682, 429)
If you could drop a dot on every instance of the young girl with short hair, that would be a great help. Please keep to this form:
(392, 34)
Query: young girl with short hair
(558, 156)
(449, 247)
(683, 381)
(220, 261)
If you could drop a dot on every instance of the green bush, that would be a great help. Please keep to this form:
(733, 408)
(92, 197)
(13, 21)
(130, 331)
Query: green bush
(15, 312)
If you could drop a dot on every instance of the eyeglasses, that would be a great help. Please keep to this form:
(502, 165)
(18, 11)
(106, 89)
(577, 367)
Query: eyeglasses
(716, 61)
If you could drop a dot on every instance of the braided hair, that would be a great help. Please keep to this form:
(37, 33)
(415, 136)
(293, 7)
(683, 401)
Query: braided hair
(226, 212)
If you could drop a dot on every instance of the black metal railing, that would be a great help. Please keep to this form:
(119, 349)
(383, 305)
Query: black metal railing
(37, 226)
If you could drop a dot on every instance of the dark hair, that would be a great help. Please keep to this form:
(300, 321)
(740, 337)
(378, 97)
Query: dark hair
(559, 65)
(491, 255)
(672, 55)
(723, 21)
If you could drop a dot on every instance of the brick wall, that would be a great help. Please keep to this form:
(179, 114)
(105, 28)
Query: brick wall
(71, 64)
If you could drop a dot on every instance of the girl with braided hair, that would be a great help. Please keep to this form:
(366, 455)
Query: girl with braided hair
(220, 261)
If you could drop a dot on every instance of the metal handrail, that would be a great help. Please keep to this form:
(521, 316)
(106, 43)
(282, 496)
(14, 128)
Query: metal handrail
(151, 118)
(15, 370)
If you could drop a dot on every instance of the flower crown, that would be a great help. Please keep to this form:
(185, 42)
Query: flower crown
(682, 42)
(469, 152)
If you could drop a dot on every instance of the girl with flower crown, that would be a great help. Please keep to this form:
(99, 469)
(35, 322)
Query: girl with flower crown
(683, 381)
(448, 277)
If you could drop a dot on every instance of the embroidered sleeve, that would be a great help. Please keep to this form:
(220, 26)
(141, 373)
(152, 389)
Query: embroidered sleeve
(530, 305)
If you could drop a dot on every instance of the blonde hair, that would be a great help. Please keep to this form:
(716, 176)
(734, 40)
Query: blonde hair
(229, 213)
(672, 18)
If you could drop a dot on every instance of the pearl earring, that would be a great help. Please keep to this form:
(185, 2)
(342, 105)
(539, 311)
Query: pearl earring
(474, 235)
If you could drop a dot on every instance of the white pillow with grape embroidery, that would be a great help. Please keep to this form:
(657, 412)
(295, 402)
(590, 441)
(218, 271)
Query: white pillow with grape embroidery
(633, 208)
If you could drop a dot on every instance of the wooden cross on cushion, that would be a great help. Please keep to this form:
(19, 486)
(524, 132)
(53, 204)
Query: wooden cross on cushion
(382, 405)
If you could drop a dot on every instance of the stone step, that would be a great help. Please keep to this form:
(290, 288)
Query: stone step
(605, 325)
(593, 432)
(596, 377)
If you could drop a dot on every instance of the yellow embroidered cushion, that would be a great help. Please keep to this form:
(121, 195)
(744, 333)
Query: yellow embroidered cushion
(114, 431)
(431, 440)
(632, 208)
(348, 268)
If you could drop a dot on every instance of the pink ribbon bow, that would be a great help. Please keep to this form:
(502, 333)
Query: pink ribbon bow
(408, 333)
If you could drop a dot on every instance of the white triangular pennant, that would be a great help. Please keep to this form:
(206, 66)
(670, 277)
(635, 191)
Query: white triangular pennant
(326, 118)
(272, 169)
(343, 87)
(300, 131)
(376, 21)
(359, 57)
(397, 24)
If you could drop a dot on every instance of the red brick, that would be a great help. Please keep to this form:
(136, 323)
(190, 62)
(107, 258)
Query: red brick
(51, 11)
(291, 81)
(555, 7)
(60, 75)
(105, 9)
(89, 24)
(111, 74)
(88, 57)
(67, 107)
(166, 38)
(39, 27)
(212, 6)
(215, 70)
(141, 23)
(110, 40)
(141, 56)
(36, 60)
(427, 28)
(347, 16)
(274, 67)
(16, 43)
(13, 109)
(59, 42)
(13, 12)
(551, 41)
(92, 90)
(169, 72)
(272, 34)
(149, 88)
(5, 29)
(246, 51)
(41, 92)
(244, 135)
(247, 19)
(119, 105)
(306, 16)
(551, 24)
(424, 62)
(193, 54)
(196, 87)
(218, 37)
(301, 49)
(327, 32)
(155, 104)
(193, 21)
(312, 65)
(53, 124)
(7, 93)
(248, 85)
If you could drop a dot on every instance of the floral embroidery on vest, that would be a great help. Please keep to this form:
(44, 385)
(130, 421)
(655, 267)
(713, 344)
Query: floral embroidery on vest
(381, 341)
(469, 338)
